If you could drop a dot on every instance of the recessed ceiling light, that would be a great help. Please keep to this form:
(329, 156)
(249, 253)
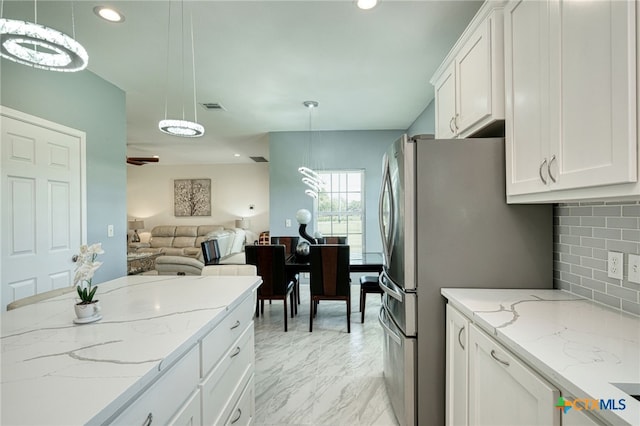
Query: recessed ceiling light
(236, 155)
(108, 14)
(366, 4)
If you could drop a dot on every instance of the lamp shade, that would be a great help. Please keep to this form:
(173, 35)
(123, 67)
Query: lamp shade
(243, 223)
(134, 225)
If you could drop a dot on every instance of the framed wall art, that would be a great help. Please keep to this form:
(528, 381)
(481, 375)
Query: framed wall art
(192, 197)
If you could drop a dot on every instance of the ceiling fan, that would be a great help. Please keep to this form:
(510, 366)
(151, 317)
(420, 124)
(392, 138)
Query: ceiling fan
(141, 161)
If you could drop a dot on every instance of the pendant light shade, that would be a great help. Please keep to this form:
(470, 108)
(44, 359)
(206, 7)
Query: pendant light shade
(38, 46)
(310, 177)
(181, 127)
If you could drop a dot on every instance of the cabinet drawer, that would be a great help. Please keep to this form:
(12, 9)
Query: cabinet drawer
(190, 413)
(244, 412)
(163, 399)
(222, 388)
(216, 343)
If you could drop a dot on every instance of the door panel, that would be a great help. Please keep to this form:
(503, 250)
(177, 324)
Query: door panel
(597, 103)
(42, 209)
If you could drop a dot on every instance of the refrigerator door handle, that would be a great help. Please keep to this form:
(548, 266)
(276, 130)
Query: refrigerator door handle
(383, 280)
(394, 336)
(386, 180)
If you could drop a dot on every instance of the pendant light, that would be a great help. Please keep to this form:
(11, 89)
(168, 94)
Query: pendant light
(181, 127)
(35, 45)
(309, 176)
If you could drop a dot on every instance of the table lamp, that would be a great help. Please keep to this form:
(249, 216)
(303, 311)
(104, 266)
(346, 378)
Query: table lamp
(243, 223)
(135, 225)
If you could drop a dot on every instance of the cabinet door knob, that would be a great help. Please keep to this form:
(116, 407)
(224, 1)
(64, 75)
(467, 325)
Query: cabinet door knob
(540, 171)
(553, 158)
(239, 414)
(236, 325)
(148, 420)
(494, 356)
(459, 335)
(236, 352)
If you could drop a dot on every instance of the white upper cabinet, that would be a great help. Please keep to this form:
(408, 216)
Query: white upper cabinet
(469, 85)
(571, 100)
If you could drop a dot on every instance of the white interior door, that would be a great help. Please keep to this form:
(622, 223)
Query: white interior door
(42, 204)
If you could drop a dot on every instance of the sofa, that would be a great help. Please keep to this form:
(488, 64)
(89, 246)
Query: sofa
(181, 246)
(185, 240)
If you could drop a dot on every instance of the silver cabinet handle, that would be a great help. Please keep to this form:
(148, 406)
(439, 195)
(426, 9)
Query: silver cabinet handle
(459, 335)
(494, 356)
(553, 158)
(236, 352)
(540, 171)
(237, 418)
(455, 122)
(451, 124)
(236, 325)
(148, 420)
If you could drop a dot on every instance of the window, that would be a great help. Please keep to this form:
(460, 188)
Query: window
(340, 206)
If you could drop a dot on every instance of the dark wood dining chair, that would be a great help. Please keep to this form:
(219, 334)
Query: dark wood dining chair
(269, 261)
(329, 277)
(290, 244)
(210, 252)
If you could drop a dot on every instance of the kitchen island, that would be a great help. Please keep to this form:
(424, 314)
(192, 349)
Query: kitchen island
(162, 344)
(579, 349)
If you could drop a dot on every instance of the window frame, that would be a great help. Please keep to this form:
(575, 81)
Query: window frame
(327, 190)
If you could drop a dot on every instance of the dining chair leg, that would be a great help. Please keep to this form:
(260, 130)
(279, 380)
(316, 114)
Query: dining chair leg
(363, 304)
(285, 313)
(292, 302)
(298, 290)
(311, 316)
(257, 308)
(262, 306)
(349, 315)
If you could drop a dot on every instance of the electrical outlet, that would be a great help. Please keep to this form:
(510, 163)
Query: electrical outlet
(287, 223)
(634, 268)
(615, 265)
(110, 231)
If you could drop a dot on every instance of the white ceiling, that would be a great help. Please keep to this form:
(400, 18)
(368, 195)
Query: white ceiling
(369, 70)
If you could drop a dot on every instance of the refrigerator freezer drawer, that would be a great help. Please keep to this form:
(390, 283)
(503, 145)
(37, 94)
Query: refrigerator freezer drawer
(399, 361)
(401, 306)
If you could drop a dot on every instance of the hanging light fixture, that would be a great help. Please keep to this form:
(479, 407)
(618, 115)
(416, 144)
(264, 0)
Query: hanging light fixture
(181, 127)
(310, 177)
(35, 45)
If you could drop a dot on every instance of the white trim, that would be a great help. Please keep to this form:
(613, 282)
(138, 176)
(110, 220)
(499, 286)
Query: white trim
(82, 137)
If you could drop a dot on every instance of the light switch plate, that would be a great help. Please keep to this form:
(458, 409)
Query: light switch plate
(110, 231)
(615, 265)
(634, 268)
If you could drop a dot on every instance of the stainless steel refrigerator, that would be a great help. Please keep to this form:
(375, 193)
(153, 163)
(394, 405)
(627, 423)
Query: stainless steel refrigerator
(445, 222)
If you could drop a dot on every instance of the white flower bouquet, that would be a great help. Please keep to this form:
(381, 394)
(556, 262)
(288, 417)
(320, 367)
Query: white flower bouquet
(86, 267)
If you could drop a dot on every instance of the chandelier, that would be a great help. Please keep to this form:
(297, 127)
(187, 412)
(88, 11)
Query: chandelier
(35, 45)
(309, 176)
(181, 127)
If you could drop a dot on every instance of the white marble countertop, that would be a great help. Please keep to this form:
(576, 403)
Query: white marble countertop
(578, 345)
(56, 372)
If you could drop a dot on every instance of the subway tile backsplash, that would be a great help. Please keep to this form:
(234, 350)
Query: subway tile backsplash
(583, 234)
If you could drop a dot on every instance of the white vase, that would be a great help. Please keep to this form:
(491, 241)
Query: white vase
(88, 310)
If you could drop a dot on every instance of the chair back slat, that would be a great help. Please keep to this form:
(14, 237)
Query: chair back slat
(329, 270)
(269, 261)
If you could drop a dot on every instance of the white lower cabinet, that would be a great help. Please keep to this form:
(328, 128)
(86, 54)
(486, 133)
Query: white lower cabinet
(211, 384)
(504, 391)
(190, 414)
(159, 403)
(457, 366)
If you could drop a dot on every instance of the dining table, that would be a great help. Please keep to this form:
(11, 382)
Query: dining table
(358, 262)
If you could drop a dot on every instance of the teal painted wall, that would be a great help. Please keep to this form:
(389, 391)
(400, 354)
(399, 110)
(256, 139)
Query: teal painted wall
(330, 150)
(426, 122)
(85, 102)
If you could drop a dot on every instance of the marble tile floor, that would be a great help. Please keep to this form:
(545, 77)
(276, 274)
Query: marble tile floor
(324, 378)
